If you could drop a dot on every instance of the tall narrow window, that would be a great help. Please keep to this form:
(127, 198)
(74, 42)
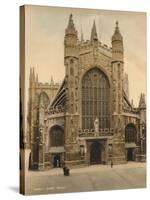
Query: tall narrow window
(71, 67)
(130, 133)
(95, 99)
(45, 99)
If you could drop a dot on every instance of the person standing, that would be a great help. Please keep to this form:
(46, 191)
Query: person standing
(111, 163)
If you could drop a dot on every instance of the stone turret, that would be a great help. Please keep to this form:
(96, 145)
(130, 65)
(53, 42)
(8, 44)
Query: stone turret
(117, 45)
(70, 40)
(71, 64)
(71, 83)
(40, 138)
(142, 110)
(117, 76)
(117, 69)
(142, 107)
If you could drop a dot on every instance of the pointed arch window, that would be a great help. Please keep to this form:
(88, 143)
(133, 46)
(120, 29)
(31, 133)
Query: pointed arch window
(130, 133)
(56, 136)
(45, 99)
(95, 99)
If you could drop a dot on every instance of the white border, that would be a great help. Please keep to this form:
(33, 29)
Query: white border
(9, 100)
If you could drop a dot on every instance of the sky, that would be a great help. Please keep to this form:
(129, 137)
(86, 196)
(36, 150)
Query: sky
(45, 29)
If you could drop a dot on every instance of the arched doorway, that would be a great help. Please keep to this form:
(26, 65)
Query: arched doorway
(95, 153)
(57, 160)
(130, 156)
(56, 144)
(130, 140)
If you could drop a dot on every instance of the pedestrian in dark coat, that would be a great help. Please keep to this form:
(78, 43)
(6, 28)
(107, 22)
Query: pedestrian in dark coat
(111, 163)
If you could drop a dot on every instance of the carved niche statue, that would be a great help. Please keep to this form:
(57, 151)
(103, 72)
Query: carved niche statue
(96, 125)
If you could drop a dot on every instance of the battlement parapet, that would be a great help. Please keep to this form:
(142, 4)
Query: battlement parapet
(87, 46)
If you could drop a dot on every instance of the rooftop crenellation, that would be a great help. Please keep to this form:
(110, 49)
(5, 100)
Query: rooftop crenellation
(87, 43)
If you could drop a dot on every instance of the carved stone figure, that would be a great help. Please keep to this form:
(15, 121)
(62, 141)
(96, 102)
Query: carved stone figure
(96, 125)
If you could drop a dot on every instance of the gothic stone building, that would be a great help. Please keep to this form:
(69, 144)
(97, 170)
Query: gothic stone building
(88, 119)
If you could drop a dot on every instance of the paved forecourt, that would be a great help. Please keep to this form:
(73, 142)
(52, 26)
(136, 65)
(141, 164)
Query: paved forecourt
(92, 178)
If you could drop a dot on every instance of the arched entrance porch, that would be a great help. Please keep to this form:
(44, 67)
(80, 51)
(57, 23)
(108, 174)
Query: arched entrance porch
(130, 141)
(56, 146)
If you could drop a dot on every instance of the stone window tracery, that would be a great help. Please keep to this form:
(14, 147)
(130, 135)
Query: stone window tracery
(95, 99)
(56, 136)
(45, 99)
(130, 133)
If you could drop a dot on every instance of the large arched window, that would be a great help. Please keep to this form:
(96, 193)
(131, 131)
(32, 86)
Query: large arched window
(95, 99)
(45, 99)
(130, 133)
(56, 136)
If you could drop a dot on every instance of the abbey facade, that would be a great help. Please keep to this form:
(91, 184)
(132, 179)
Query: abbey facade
(88, 118)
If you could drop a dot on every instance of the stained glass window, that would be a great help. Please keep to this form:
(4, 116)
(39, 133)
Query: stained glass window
(130, 133)
(95, 99)
(56, 136)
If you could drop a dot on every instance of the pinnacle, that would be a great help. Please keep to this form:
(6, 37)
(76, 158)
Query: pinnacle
(70, 23)
(94, 32)
(142, 103)
(117, 23)
(117, 35)
(52, 81)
